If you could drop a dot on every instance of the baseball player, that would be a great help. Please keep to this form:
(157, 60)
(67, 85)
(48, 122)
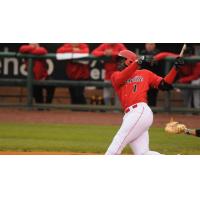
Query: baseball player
(131, 86)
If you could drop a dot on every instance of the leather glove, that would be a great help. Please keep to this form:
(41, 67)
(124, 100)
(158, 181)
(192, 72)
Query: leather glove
(174, 127)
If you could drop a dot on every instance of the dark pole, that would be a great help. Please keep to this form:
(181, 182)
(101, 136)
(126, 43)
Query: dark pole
(30, 83)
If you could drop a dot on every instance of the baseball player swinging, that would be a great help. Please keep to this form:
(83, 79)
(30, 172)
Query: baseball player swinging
(131, 85)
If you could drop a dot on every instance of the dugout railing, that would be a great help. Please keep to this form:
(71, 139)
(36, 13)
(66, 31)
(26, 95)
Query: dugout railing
(29, 82)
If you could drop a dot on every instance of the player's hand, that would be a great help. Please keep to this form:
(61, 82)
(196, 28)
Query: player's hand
(146, 61)
(179, 62)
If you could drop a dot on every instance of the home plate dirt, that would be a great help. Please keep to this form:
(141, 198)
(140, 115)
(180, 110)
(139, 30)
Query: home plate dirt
(43, 153)
(95, 118)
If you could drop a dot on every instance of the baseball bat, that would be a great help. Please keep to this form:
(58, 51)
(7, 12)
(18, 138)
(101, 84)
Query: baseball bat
(182, 50)
(181, 55)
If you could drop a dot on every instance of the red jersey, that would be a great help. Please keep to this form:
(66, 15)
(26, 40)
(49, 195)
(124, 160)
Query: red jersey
(132, 88)
(39, 66)
(189, 72)
(75, 70)
(111, 65)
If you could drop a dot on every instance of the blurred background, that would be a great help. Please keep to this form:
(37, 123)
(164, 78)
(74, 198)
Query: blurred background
(58, 98)
(88, 75)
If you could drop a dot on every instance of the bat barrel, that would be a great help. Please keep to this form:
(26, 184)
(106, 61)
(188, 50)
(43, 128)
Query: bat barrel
(182, 50)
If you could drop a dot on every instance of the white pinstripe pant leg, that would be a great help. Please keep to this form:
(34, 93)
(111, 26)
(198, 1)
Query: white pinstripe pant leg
(135, 124)
(140, 146)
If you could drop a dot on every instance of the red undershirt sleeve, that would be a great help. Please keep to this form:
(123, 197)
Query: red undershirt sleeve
(170, 77)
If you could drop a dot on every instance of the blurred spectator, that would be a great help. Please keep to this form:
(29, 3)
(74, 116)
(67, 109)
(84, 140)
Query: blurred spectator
(196, 93)
(190, 74)
(76, 70)
(151, 50)
(112, 50)
(39, 72)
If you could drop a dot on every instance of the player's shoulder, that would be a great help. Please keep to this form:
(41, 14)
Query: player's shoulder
(114, 74)
(144, 71)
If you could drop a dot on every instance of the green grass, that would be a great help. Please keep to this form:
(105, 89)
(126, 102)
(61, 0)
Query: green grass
(84, 138)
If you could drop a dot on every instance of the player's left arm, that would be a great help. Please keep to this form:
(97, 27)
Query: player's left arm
(166, 82)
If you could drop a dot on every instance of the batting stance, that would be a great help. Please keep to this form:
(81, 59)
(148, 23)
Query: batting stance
(131, 85)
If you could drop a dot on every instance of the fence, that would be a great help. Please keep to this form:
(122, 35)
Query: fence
(29, 82)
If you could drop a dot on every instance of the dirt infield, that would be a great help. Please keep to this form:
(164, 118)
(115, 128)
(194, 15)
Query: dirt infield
(96, 118)
(43, 153)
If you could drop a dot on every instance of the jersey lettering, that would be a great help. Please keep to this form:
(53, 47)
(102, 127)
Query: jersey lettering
(135, 79)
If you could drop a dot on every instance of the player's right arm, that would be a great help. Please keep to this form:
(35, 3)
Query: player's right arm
(119, 78)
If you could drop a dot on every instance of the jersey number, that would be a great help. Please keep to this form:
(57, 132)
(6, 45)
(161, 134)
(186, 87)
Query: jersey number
(134, 88)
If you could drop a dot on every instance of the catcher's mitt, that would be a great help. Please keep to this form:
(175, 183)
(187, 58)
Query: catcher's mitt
(175, 127)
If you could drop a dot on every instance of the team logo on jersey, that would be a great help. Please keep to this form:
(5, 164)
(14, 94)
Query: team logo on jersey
(135, 79)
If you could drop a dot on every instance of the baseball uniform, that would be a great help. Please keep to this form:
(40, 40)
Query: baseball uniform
(131, 86)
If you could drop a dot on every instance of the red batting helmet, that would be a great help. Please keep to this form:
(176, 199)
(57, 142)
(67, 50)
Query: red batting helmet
(128, 55)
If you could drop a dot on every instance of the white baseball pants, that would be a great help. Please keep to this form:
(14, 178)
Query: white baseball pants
(134, 131)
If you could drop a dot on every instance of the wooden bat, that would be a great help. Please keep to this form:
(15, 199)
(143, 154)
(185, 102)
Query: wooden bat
(182, 50)
(181, 55)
